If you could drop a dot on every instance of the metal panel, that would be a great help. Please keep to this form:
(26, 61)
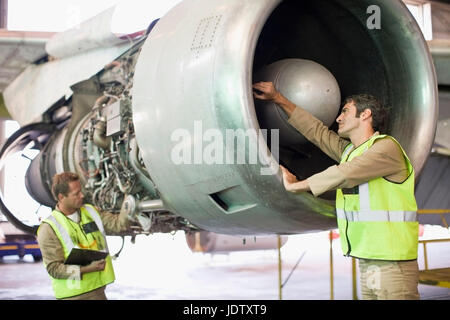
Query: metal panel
(91, 34)
(19, 49)
(40, 86)
(77, 54)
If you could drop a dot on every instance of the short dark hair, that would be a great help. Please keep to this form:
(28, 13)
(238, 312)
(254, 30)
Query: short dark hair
(60, 184)
(379, 111)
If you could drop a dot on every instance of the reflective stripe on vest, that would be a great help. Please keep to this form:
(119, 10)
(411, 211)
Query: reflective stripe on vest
(98, 221)
(364, 198)
(366, 214)
(378, 215)
(63, 232)
(347, 150)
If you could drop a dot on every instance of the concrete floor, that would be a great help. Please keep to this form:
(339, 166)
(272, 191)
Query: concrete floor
(162, 267)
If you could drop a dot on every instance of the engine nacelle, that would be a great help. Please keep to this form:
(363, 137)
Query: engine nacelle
(172, 123)
(194, 77)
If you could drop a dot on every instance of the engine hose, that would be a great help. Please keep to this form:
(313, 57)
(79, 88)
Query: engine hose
(114, 257)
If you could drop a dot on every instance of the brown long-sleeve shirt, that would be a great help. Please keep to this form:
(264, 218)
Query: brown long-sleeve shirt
(383, 159)
(53, 253)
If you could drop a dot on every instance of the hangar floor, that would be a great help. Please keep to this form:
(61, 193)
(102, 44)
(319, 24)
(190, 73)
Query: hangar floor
(162, 267)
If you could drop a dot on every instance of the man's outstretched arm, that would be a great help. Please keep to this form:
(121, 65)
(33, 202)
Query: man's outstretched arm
(291, 183)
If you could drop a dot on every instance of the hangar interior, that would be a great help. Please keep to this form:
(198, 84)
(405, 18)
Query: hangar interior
(216, 230)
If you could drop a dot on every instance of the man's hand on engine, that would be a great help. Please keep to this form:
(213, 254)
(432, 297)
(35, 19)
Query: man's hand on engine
(265, 91)
(292, 184)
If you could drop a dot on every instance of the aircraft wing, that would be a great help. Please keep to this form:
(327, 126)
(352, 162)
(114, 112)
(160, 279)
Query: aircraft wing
(18, 49)
(70, 57)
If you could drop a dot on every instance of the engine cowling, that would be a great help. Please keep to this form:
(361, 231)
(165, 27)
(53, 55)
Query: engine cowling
(172, 123)
(195, 74)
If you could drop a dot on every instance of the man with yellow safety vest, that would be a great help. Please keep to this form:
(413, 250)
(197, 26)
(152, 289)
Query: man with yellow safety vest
(375, 204)
(73, 224)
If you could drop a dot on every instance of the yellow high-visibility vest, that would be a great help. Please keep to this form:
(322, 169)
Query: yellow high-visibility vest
(71, 235)
(378, 219)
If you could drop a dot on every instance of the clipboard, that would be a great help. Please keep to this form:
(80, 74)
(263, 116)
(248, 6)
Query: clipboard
(84, 257)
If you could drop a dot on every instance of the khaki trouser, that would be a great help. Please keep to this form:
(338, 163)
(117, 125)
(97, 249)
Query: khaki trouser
(389, 280)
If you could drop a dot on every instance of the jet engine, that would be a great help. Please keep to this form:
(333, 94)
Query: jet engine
(171, 126)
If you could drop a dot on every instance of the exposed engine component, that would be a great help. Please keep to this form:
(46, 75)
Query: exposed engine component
(108, 157)
(103, 151)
